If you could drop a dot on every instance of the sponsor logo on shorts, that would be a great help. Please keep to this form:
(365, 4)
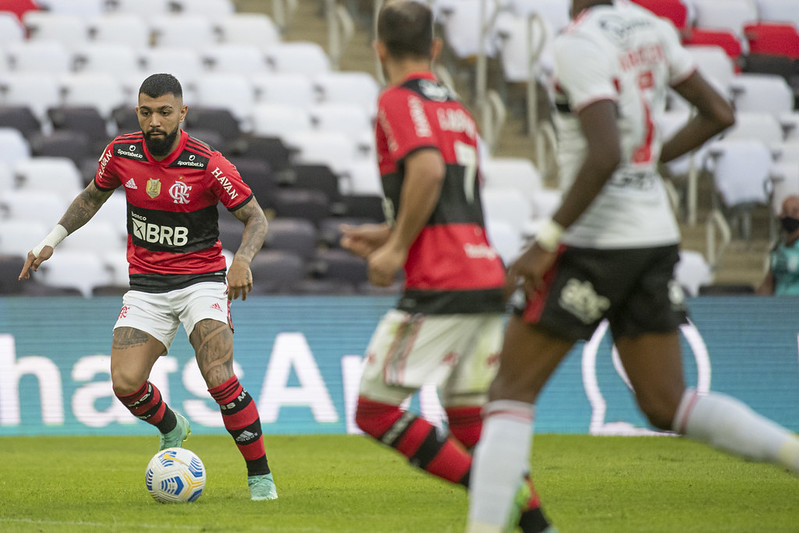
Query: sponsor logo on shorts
(580, 299)
(216, 307)
(123, 312)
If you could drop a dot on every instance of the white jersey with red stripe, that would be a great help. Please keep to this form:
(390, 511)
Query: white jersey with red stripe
(625, 54)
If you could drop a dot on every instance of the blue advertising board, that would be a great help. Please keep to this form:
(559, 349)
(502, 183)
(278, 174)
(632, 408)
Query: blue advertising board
(300, 358)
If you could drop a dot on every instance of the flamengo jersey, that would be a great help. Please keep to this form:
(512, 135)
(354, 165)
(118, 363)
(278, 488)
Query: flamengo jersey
(451, 267)
(173, 233)
(625, 54)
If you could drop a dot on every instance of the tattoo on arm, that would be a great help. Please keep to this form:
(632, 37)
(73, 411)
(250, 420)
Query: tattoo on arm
(255, 228)
(213, 346)
(84, 207)
(128, 338)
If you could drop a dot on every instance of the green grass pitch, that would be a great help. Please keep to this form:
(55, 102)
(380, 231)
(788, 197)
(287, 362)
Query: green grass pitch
(342, 483)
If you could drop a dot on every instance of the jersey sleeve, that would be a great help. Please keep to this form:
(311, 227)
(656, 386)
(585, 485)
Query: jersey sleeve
(404, 122)
(106, 178)
(681, 62)
(584, 72)
(227, 183)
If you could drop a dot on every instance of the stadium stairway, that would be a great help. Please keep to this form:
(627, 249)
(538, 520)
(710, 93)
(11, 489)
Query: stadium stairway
(742, 263)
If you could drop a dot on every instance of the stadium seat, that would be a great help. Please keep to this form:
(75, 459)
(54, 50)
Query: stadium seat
(215, 119)
(330, 229)
(674, 10)
(257, 174)
(505, 205)
(284, 89)
(692, 271)
(358, 88)
(790, 125)
(299, 57)
(784, 179)
(230, 232)
(10, 265)
(7, 179)
(779, 11)
(773, 38)
(99, 90)
(302, 203)
(120, 60)
(213, 9)
(339, 264)
(546, 202)
(183, 62)
(555, 12)
(249, 28)
(75, 269)
(17, 237)
(349, 119)
(97, 236)
(334, 149)
(753, 125)
(362, 177)
(368, 207)
(513, 173)
(71, 144)
(235, 58)
(79, 8)
(270, 149)
(118, 28)
(126, 120)
(460, 20)
(297, 235)
(195, 31)
(317, 177)
(273, 271)
(227, 91)
(44, 57)
(779, 65)
(68, 30)
(764, 93)
(724, 39)
(714, 64)
(21, 118)
(86, 119)
(145, 8)
(49, 174)
(14, 148)
(280, 120)
(33, 205)
(35, 90)
(515, 42)
(114, 213)
(505, 239)
(11, 30)
(725, 14)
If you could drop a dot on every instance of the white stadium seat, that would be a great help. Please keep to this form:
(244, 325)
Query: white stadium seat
(184, 30)
(108, 58)
(37, 90)
(336, 150)
(512, 173)
(183, 62)
(11, 29)
(69, 30)
(286, 89)
(119, 28)
(17, 237)
(46, 57)
(235, 58)
(692, 272)
(277, 120)
(228, 91)
(75, 269)
(145, 8)
(350, 119)
(213, 9)
(765, 93)
(249, 28)
(13, 147)
(54, 174)
(299, 57)
(103, 91)
(30, 205)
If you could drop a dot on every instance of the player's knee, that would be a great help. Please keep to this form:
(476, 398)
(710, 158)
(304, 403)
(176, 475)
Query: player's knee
(374, 418)
(124, 385)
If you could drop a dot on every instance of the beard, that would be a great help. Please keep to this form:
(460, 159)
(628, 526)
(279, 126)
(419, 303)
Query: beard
(160, 145)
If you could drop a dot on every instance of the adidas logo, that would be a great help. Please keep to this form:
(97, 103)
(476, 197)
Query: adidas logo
(216, 307)
(130, 184)
(246, 436)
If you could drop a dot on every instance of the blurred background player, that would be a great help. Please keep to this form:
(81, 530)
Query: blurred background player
(447, 327)
(782, 277)
(173, 183)
(609, 252)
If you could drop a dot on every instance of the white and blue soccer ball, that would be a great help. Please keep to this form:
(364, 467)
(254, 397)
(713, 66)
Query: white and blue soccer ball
(175, 475)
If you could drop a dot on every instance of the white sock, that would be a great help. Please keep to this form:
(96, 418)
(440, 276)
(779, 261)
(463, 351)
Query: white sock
(500, 460)
(729, 425)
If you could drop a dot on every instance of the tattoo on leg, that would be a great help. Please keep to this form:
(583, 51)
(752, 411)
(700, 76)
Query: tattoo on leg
(128, 338)
(213, 345)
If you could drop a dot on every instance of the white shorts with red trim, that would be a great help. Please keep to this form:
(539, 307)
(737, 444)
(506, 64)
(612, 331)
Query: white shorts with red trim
(160, 314)
(457, 353)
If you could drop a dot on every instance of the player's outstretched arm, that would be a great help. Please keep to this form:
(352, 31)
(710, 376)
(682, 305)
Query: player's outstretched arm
(79, 212)
(713, 115)
(239, 276)
(364, 239)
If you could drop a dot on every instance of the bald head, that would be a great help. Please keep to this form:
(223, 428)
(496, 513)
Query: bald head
(790, 207)
(405, 28)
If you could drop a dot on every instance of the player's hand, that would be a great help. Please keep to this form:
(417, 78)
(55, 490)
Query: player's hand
(32, 262)
(529, 269)
(239, 280)
(364, 239)
(384, 264)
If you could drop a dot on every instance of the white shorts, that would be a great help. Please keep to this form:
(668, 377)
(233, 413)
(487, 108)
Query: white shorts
(457, 353)
(159, 314)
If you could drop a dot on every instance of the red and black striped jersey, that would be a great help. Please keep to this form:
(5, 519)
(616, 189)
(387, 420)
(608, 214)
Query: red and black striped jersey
(451, 266)
(172, 218)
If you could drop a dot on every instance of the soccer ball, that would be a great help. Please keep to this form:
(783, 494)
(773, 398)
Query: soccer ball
(175, 475)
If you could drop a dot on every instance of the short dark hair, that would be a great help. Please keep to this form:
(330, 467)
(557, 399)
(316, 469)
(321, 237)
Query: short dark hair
(406, 29)
(160, 84)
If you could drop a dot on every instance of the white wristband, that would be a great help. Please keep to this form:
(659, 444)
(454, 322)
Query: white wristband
(548, 236)
(53, 239)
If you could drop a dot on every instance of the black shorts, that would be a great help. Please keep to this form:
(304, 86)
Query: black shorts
(633, 288)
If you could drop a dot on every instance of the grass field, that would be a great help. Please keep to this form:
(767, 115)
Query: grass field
(337, 484)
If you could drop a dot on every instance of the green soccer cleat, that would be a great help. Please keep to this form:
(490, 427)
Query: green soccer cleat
(262, 487)
(175, 438)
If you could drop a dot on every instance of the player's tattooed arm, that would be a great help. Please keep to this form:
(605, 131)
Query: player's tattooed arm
(84, 207)
(255, 228)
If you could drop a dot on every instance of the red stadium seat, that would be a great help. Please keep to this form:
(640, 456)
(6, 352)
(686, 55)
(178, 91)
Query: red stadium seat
(674, 10)
(773, 38)
(722, 38)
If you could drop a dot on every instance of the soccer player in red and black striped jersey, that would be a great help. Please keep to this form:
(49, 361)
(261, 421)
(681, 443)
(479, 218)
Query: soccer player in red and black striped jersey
(448, 324)
(173, 183)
